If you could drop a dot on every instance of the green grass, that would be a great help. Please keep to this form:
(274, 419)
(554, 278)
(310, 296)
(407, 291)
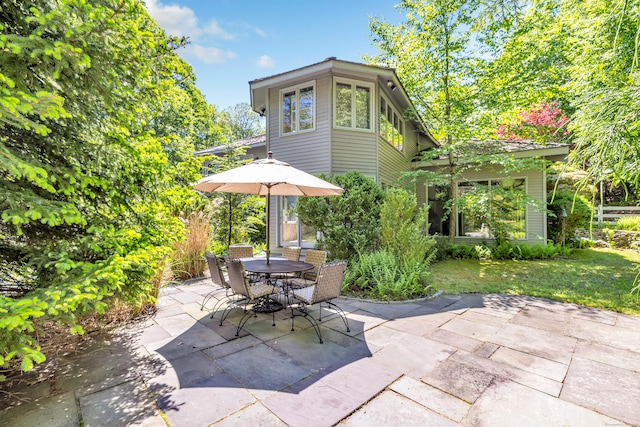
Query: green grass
(600, 278)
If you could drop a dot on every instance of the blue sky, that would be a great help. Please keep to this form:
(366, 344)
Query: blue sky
(235, 41)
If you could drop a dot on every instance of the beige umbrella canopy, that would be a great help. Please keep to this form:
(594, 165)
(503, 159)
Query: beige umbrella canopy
(268, 177)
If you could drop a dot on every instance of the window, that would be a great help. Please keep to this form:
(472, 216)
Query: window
(298, 108)
(205, 168)
(291, 232)
(391, 124)
(493, 208)
(353, 104)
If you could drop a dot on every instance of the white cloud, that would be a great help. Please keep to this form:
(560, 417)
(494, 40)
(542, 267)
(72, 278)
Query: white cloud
(265, 61)
(259, 31)
(209, 55)
(175, 20)
(214, 29)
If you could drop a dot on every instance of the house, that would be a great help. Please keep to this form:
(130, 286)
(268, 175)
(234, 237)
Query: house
(335, 116)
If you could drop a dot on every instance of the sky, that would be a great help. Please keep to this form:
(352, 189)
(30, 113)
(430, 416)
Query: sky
(232, 42)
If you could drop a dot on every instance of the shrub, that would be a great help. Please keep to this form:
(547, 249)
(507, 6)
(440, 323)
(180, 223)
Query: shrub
(579, 213)
(631, 223)
(349, 223)
(503, 251)
(381, 275)
(404, 228)
(188, 256)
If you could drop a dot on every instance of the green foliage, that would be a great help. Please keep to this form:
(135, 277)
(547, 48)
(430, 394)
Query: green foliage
(400, 269)
(94, 160)
(579, 212)
(237, 218)
(404, 230)
(244, 121)
(382, 275)
(631, 223)
(350, 223)
(504, 250)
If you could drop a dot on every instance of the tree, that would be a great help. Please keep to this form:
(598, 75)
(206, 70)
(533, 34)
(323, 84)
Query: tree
(244, 121)
(85, 212)
(605, 87)
(543, 122)
(237, 218)
(437, 56)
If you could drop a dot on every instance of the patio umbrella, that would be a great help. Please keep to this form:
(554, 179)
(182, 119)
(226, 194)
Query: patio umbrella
(268, 177)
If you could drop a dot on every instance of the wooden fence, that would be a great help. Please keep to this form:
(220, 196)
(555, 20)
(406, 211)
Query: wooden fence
(611, 213)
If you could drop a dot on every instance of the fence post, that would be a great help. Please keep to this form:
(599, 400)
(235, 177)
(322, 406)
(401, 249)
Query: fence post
(600, 215)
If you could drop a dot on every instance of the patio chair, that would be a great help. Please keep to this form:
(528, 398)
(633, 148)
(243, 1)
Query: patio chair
(327, 287)
(241, 251)
(308, 278)
(252, 293)
(217, 277)
(291, 252)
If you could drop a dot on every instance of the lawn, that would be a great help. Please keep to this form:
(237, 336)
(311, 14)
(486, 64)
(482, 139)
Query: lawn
(592, 277)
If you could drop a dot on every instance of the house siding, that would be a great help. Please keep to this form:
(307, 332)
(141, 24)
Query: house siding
(310, 150)
(354, 150)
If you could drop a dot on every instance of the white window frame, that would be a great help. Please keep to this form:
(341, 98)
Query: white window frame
(372, 106)
(400, 129)
(489, 180)
(305, 244)
(296, 124)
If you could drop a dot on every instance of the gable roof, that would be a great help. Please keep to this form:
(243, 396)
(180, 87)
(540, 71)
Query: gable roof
(252, 141)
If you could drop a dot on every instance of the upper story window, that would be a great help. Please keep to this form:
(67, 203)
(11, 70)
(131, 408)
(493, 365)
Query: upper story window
(391, 124)
(298, 108)
(352, 108)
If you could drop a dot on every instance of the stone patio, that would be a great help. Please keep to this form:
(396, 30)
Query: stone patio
(471, 360)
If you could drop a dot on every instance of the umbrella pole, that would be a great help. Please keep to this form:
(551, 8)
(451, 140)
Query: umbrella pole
(268, 221)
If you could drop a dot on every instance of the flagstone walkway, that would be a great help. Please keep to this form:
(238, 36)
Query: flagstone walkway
(471, 360)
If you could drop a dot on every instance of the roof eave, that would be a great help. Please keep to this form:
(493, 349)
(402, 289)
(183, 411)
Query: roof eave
(559, 152)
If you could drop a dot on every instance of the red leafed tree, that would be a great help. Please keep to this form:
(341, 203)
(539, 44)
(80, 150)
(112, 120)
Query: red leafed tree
(544, 122)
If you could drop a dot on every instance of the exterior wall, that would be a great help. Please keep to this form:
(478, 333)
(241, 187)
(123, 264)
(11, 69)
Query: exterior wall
(336, 151)
(353, 150)
(536, 218)
(309, 151)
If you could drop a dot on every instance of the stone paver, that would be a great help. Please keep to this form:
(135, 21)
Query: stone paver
(432, 398)
(391, 408)
(107, 407)
(470, 360)
(507, 404)
(604, 388)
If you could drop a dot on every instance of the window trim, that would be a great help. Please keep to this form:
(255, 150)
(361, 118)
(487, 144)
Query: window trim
(297, 88)
(490, 180)
(394, 113)
(372, 106)
(300, 242)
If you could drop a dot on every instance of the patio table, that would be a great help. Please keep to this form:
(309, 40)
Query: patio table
(278, 267)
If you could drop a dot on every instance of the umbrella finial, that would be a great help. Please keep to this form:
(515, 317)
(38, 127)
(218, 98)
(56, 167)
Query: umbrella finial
(270, 155)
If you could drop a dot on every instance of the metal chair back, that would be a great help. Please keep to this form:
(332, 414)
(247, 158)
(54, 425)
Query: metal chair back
(329, 283)
(237, 278)
(215, 269)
